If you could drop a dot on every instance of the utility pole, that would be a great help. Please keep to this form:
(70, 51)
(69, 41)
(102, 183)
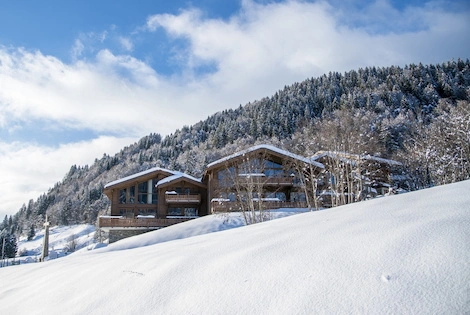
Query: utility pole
(45, 243)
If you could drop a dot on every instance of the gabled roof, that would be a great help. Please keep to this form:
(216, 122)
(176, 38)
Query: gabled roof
(178, 177)
(350, 158)
(140, 174)
(267, 147)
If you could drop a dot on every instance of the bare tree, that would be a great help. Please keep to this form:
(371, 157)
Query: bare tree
(439, 153)
(71, 245)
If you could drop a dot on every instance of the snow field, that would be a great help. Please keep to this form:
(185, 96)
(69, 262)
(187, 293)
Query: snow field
(403, 254)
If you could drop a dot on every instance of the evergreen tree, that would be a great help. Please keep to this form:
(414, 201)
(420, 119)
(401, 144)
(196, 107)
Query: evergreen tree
(9, 245)
(31, 232)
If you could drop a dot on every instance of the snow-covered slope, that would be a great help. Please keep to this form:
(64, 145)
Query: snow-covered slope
(404, 254)
(60, 238)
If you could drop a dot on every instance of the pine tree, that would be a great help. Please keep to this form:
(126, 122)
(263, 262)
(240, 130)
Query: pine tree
(31, 232)
(9, 245)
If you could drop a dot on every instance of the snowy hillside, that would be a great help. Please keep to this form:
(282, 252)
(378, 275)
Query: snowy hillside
(404, 254)
(61, 239)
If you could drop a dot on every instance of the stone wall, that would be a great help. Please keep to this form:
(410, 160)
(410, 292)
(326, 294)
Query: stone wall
(116, 235)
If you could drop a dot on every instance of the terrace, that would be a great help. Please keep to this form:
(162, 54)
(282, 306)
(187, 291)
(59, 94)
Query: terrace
(140, 222)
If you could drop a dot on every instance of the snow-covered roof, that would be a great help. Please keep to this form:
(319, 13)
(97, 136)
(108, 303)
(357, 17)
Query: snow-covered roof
(381, 160)
(269, 148)
(176, 177)
(349, 157)
(137, 175)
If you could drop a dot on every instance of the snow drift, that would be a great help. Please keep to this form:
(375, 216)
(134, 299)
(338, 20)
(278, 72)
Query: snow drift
(404, 254)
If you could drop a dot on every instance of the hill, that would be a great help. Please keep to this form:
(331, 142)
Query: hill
(403, 254)
(416, 115)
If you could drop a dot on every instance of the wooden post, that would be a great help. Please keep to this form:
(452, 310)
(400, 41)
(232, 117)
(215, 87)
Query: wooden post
(45, 243)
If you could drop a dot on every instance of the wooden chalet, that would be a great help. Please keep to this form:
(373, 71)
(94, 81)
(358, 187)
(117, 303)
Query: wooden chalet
(263, 174)
(357, 177)
(152, 199)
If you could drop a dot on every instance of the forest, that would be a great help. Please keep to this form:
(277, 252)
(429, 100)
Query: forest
(417, 114)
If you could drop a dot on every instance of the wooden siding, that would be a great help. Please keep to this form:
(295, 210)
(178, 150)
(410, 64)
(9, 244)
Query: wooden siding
(105, 222)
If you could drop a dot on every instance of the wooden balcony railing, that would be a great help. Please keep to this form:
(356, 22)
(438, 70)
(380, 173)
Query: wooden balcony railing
(230, 206)
(192, 198)
(266, 180)
(122, 222)
(279, 181)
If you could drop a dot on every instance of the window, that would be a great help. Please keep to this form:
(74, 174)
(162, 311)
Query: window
(273, 169)
(250, 167)
(131, 195)
(127, 213)
(154, 192)
(225, 177)
(175, 211)
(123, 196)
(142, 189)
(127, 195)
(188, 212)
(147, 193)
(297, 196)
(277, 195)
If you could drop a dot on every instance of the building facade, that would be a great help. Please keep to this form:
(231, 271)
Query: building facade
(258, 178)
(150, 200)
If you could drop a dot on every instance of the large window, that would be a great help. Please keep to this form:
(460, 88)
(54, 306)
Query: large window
(180, 212)
(250, 167)
(298, 196)
(127, 195)
(279, 196)
(146, 193)
(128, 213)
(143, 189)
(273, 169)
(225, 177)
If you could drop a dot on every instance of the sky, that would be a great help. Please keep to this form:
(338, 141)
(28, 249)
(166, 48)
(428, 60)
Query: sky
(401, 254)
(82, 78)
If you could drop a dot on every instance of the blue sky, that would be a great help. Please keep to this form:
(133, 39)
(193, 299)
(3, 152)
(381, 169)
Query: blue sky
(83, 78)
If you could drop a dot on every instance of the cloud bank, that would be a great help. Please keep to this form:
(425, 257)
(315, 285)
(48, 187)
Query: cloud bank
(217, 64)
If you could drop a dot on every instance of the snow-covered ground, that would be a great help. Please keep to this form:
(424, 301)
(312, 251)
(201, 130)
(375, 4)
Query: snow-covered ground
(62, 239)
(403, 254)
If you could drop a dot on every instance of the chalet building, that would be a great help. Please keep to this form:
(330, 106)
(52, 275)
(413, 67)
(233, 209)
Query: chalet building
(150, 200)
(260, 177)
(355, 177)
(263, 175)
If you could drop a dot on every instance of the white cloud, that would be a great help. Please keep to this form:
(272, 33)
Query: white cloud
(126, 43)
(29, 169)
(114, 93)
(268, 46)
(77, 49)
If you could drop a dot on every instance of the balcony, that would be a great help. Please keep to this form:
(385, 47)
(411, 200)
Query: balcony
(109, 222)
(261, 179)
(177, 198)
(218, 205)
